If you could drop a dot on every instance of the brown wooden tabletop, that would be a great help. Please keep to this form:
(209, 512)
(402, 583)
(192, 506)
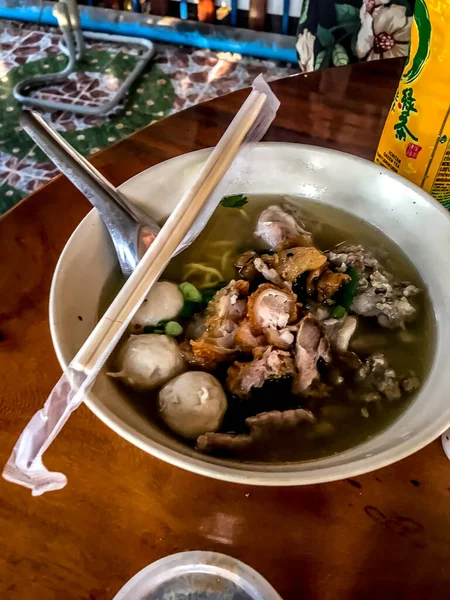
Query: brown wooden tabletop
(386, 535)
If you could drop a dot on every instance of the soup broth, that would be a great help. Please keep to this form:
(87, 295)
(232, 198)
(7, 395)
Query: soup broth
(343, 421)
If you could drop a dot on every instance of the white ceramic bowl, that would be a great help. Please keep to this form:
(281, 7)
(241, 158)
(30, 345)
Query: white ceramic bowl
(410, 217)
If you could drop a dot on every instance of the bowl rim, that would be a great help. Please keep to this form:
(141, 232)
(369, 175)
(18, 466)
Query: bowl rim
(253, 474)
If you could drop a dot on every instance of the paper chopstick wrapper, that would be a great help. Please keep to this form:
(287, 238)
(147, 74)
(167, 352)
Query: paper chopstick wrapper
(25, 466)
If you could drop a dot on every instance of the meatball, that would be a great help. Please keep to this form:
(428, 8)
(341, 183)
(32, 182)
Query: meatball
(148, 361)
(192, 404)
(163, 303)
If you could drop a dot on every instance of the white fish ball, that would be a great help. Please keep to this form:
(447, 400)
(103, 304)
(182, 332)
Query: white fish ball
(163, 303)
(148, 361)
(192, 404)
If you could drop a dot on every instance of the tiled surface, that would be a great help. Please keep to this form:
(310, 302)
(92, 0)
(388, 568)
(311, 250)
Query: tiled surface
(176, 79)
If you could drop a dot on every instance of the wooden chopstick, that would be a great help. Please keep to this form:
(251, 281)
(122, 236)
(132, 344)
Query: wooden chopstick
(112, 325)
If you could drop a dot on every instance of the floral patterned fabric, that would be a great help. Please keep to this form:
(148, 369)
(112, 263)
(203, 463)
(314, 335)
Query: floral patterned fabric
(331, 33)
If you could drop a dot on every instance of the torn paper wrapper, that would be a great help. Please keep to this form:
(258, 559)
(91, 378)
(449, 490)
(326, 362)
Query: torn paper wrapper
(25, 466)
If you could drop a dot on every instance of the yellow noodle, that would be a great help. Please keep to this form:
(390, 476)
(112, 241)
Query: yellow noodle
(221, 243)
(223, 260)
(244, 214)
(211, 284)
(188, 274)
(206, 269)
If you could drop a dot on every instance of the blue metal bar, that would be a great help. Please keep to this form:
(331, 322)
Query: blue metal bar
(234, 12)
(183, 9)
(160, 29)
(285, 18)
(136, 6)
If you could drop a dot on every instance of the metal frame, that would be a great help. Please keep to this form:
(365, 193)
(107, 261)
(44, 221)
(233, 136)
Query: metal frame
(67, 16)
(271, 46)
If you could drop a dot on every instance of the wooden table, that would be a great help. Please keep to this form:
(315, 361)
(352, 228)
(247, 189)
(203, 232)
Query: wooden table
(386, 535)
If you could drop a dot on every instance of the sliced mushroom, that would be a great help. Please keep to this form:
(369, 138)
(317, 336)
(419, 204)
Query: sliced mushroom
(245, 265)
(295, 261)
(313, 276)
(329, 283)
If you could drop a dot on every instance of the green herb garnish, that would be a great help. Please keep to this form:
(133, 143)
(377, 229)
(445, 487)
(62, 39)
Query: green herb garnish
(338, 312)
(234, 201)
(345, 296)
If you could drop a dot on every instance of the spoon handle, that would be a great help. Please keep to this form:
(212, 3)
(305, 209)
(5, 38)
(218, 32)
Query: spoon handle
(127, 226)
(56, 147)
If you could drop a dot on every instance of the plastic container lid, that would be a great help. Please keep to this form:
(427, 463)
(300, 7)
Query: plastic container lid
(197, 576)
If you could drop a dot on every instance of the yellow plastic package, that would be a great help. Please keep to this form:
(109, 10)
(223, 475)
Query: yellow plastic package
(416, 137)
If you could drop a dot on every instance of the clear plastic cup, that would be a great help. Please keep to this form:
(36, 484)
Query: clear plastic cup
(197, 576)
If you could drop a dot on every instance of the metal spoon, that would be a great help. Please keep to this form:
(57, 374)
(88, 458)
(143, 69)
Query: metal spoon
(130, 228)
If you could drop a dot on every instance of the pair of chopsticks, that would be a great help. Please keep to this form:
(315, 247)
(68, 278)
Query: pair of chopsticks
(170, 237)
(25, 466)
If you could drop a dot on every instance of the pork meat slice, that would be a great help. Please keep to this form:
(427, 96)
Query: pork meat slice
(269, 363)
(280, 338)
(271, 307)
(345, 256)
(310, 345)
(278, 224)
(340, 332)
(228, 304)
(262, 427)
(223, 314)
(244, 338)
(379, 295)
(375, 375)
(386, 300)
(263, 266)
(207, 354)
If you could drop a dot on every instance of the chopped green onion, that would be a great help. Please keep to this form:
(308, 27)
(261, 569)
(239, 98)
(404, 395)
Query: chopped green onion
(348, 291)
(338, 312)
(173, 329)
(190, 292)
(234, 201)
